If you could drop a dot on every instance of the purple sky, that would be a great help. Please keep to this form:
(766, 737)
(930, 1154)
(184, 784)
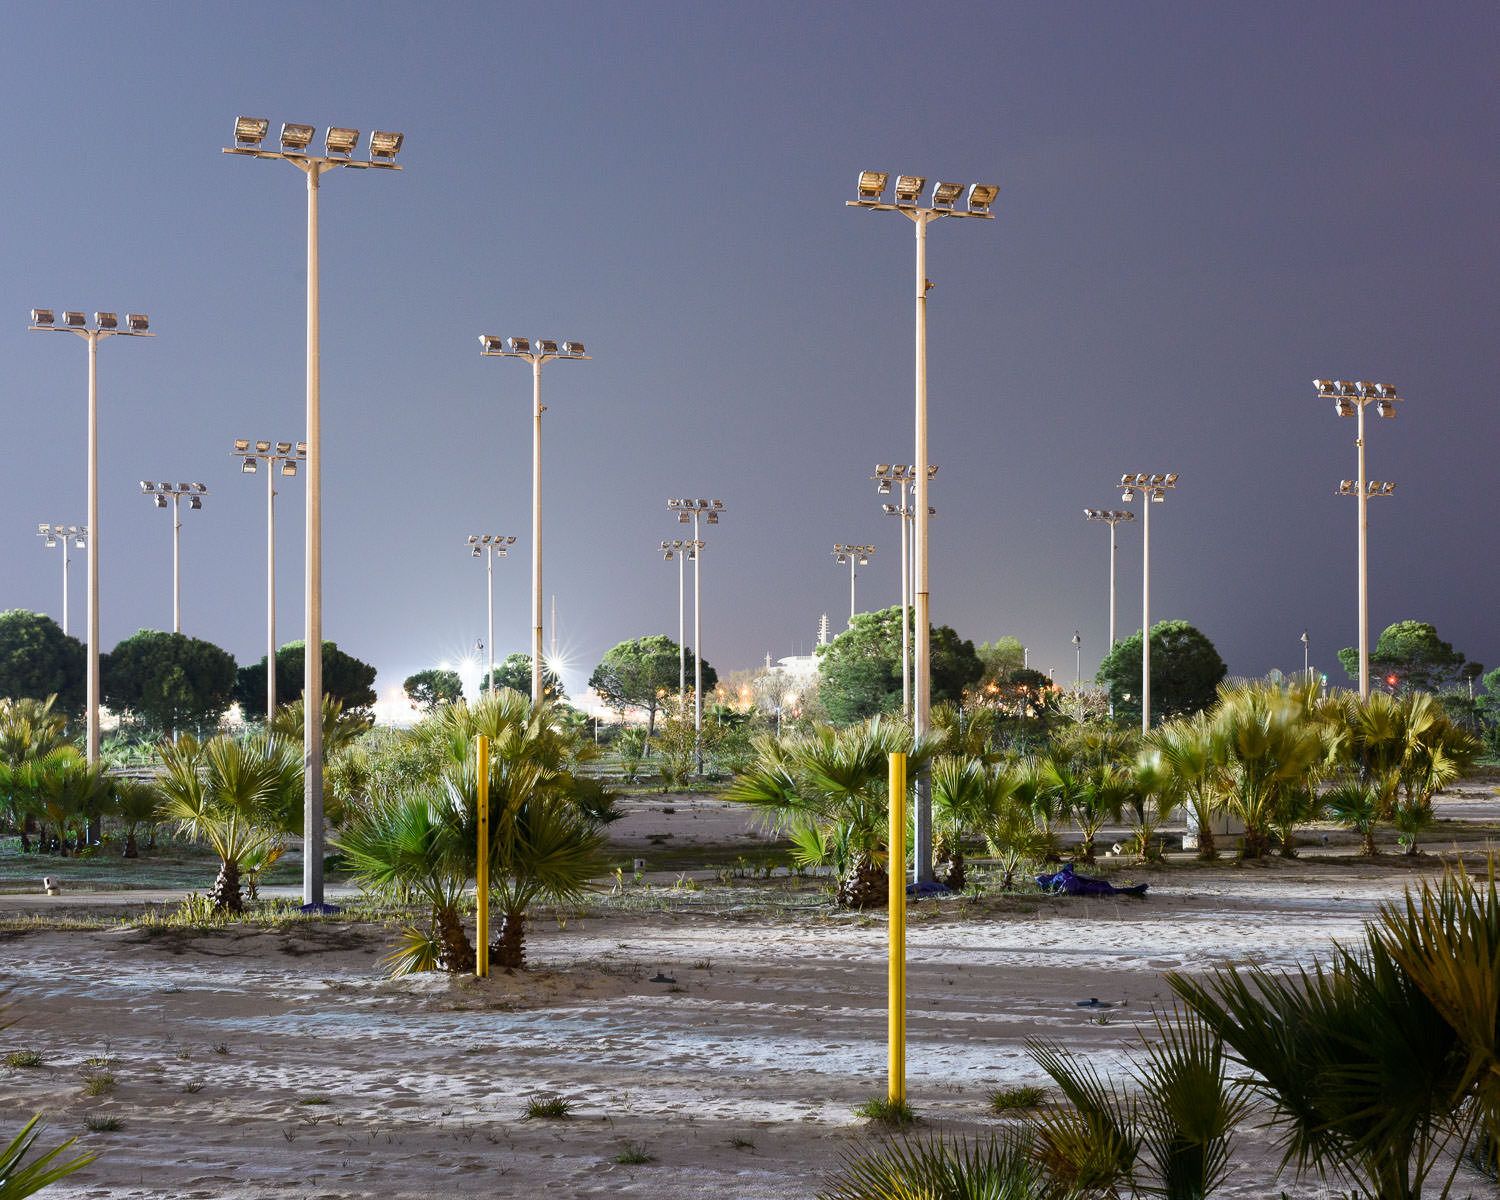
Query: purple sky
(1202, 208)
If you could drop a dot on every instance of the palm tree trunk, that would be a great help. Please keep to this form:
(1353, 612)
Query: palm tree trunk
(131, 850)
(225, 894)
(458, 952)
(864, 884)
(508, 950)
(955, 875)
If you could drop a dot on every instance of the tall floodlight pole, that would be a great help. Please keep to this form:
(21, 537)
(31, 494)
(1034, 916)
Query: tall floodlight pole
(339, 144)
(1077, 661)
(287, 456)
(1306, 670)
(1114, 517)
(55, 535)
(690, 511)
(908, 196)
(682, 551)
(852, 555)
(106, 324)
(544, 351)
(194, 493)
(1349, 400)
(1153, 490)
(490, 546)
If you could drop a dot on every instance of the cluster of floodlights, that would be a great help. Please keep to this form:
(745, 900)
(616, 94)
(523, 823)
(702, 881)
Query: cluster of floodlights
(1153, 485)
(519, 347)
(686, 508)
(908, 194)
(193, 491)
(687, 549)
(338, 141)
(845, 553)
(46, 318)
(1108, 514)
(886, 474)
(1346, 395)
(499, 543)
(77, 534)
(1374, 487)
(284, 452)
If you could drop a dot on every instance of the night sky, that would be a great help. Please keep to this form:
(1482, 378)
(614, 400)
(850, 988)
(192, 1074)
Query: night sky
(1203, 207)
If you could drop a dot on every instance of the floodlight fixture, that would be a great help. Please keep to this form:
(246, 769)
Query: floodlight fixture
(42, 316)
(573, 348)
(161, 500)
(251, 131)
(981, 196)
(106, 320)
(289, 467)
(944, 195)
(340, 140)
(282, 447)
(909, 188)
(248, 467)
(546, 346)
(385, 145)
(296, 137)
(882, 468)
(241, 444)
(74, 320)
(872, 184)
(520, 345)
(490, 344)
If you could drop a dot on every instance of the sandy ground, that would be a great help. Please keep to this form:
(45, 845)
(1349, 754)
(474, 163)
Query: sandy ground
(729, 1044)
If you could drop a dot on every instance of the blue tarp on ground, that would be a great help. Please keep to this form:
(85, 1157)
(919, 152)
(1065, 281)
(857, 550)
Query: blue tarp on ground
(1082, 885)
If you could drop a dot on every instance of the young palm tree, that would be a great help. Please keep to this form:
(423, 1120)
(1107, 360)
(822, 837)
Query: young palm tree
(66, 791)
(1271, 751)
(136, 802)
(1356, 805)
(1154, 798)
(234, 795)
(828, 788)
(998, 1169)
(968, 798)
(1187, 750)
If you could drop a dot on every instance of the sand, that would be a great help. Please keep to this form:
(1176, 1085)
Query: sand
(729, 1042)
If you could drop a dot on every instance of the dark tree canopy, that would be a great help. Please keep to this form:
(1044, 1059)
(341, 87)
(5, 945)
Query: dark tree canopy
(515, 672)
(1185, 673)
(37, 660)
(860, 670)
(345, 678)
(428, 689)
(640, 673)
(168, 681)
(1412, 652)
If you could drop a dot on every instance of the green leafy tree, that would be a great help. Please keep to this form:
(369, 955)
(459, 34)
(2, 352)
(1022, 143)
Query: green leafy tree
(1185, 671)
(515, 672)
(1000, 658)
(430, 688)
(168, 681)
(860, 670)
(1412, 653)
(345, 678)
(37, 660)
(641, 673)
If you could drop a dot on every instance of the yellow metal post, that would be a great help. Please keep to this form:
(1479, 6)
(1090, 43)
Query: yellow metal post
(482, 897)
(896, 907)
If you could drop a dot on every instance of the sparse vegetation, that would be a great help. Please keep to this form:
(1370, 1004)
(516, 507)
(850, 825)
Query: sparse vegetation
(547, 1106)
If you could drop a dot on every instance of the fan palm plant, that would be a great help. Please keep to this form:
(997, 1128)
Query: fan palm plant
(1365, 1074)
(1271, 751)
(999, 1169)
(1356, 805)
(67, 792)
(136, 802)
(970, 798)
(828, 789)
(1154, 798)
(1186, 749)
(234, 795)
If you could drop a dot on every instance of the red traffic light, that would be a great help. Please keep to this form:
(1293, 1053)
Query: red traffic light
(1390, 681)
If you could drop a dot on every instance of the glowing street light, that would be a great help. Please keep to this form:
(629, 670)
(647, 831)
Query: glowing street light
(490, 546)
(1349, 400)
(339, 145)
(908, 193)
(251, 454)
(544, 350)
(193, 493)
(852, 555)
(106, 324)
(63, 535)
(1153, 490)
